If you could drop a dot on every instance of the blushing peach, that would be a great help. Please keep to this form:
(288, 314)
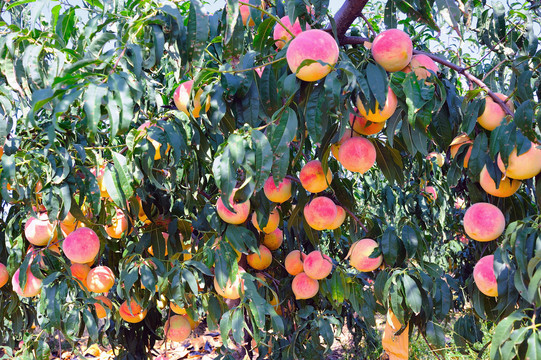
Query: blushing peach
(335, 148)
(320, 213)
(317, 265)
(261, 261)
(177, 328)
(431, 192)
(315, 45)
(4, 275)
(80, 272)
(506, 187)
(132, 312)
(99, 179)
(460, 203)
(294, 262)
(357, 154)
(484, 276)
(339, 219)
(493, 115)
(484, 222)
(362, 126)
(457, 143)
(524, 166)
(192, 322)
(165, 237)
(81, 246)
(275, 304)
(39, 231)
(359, 255)
(274, 240)
(246, 16)
(242, 210)
(421, 64)
(304, 287)
(118, 226)
(380, 115)
(181, 97)
(438, 157)
(281, 36)
(272, 223)
(100, 310)
(157, 145)
(312, 177)
(277, 194)
(100, 279)
(392, 49)
(32, 287)
(232, 290)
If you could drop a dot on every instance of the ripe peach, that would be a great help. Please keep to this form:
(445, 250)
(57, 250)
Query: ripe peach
(506, 188)
(357, 154)
(165, 237)
(81, 246)
(361, 126)
(80, 272)
(274, 302)
(438, 157)
(69, 224)
(119, 225)
(274, 240)
(320, 213)
(177, 328)
(100, 310)
(39, 231)
(315, 45)
(421, 64)
(460, 203)
(304, 287)
(277, 194)
(246, 16)
(312, 177)
(484, 222)
(392, 49)
(431, 192)
(4, 275)
(261, 261)
(293, 262)
(524, 166)
(100, 279)
(493, 115)
(317, 265)
(335, 148)
(242, 210)
(380, 115)
(181, 97)
(272, 223)
(484, 276)
(157, 145)
(359, 255)
(457, 143)
(339, 219)
(32, 287)
(132, 312)
(232, 290)
(99, 179)
(281, 36)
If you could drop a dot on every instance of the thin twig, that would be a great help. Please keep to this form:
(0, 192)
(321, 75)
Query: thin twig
(357, 220)
(430, 347)
(374, 33)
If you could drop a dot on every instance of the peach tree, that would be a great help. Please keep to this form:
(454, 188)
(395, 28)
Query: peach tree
(164, 167)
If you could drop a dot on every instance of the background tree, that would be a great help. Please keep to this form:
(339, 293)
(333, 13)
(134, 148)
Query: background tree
(139, 140)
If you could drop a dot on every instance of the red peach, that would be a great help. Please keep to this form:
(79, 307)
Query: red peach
(312, 177)
(320, 213)
(457, 143)
(261, 261)
(81, 246)
(523, 166)
(335, 148)
(484, 276)
(4, 275)
(421, 64)
(39, 231)
(232, 290)
(277, 194)
(380, 115)
(273, 240)
(304, 287)
(280, 34)
(493, 115)
(100, 310)
(317, 265)
(362, 126)
(177, 328)
(132, 313)
(80, 272)
(392, 49)
(339, 219)
(32, 287)
(506, 187)
(242, 210)
(272, 223)
(359, 255)
(294, 262)
(181, 97)
(100, 279)
(484, 222)
(357, 154)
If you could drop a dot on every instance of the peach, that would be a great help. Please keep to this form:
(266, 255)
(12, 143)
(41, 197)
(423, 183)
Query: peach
(357, 154)
(80, 272)
(232, 290)
(69, 224)
(39, 231)
(315, 45)
(100, 310)
(132, 312)
(165, 237)
(364, 127)
(392, 49)
(4, 275)
(272, 223)
(99, 179)
(317, 265)
(181, 97)
(359, 255)
(421, 64)
(484, 276)
(277, 194)
(431, 192)
(280, 34)
(294, 262)
(493, 115)
(339, 219)
(118, 226)
(32, 287)
(335, 148)
(177, 328)
(304, 287)
(320, 213)
(380, 115)
(506, 187)
(484, 222)
(274, 240)
(100, 279)
(523, 166)
(457, 143)
(312, 177)
(460, 203)
(261, 261)
(81, 246)
(438, 157)
(240, 214)
(246, 16)
(275, 303)
(157, 145)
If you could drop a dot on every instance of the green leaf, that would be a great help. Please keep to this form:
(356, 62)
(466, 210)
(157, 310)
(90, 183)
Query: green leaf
(389, 246)
(410, 240)
(263, 158)
(198, 30)
(414, 299)
(92, 98)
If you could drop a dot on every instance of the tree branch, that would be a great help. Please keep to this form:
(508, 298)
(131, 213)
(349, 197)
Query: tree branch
(348, 13)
